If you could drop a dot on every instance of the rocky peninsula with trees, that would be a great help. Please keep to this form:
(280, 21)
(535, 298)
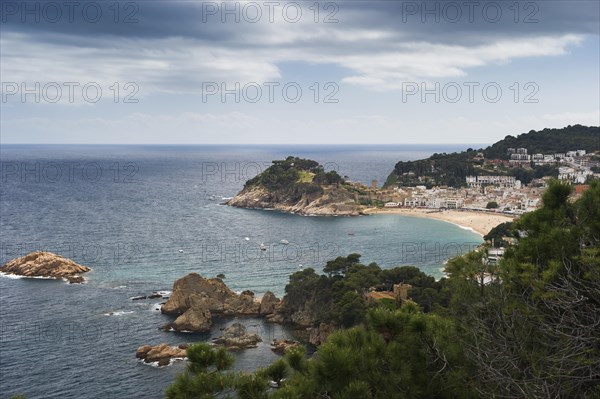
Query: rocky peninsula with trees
(302, 186)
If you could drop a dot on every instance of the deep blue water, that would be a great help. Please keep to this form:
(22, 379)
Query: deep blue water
(127, 211)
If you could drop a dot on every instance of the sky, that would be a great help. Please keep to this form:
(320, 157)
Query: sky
(283, 72)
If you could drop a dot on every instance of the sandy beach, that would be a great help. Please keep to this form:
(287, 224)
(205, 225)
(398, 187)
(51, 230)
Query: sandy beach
(480, 222)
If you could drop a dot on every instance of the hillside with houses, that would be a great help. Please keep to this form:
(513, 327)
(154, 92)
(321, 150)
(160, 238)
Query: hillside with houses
(500, 178)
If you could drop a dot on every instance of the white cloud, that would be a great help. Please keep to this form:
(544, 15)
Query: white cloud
(377, 59)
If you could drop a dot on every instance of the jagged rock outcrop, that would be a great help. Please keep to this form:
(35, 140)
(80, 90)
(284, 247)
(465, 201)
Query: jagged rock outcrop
(243, 305)
(319, 334)
(268, 303)
(162, 353)
(275, 318)
(236, 337)
(282, 346)
(194, 290)
(302, 318)
(45, 264)
(195, 319)
(278, 315)
(196, 300)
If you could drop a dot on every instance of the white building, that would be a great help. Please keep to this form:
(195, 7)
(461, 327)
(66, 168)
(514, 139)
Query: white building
(416, 202)
(520, 157)
(501, 181)
(454, 203)
(573, 175)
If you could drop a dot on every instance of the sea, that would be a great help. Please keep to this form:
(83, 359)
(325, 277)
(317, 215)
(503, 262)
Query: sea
(142, 216)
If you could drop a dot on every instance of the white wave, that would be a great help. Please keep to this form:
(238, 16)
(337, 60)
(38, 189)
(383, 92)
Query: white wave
(16, 276)
(11, 276)
(465, 227)
(171, 361)
(118, 313)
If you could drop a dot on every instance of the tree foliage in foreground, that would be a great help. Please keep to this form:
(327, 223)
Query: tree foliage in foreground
(535, 331)
(400, 353)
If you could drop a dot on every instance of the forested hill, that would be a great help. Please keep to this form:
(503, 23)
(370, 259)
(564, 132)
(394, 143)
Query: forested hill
(549, 141)
(451, 169)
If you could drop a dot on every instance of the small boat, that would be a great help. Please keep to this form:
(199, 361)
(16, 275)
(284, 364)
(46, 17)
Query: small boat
(263, 247)
(247, 238)
(284, 242)
(181, 251)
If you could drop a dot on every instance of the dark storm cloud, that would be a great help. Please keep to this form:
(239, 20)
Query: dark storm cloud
(432, 21)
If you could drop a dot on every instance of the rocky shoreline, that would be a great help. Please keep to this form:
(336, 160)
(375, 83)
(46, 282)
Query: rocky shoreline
(333, 202)
(196, 300)
(161, 354)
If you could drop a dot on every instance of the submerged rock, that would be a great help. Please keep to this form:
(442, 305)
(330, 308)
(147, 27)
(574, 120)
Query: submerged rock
(45, 264)
(75, 279)
(151, 296)
(236, 337)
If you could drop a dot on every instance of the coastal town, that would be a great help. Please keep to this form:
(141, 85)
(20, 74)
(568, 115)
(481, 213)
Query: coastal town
(502, 193)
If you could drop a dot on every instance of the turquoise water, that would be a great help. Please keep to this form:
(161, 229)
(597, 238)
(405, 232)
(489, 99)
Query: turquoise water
(143, 216)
